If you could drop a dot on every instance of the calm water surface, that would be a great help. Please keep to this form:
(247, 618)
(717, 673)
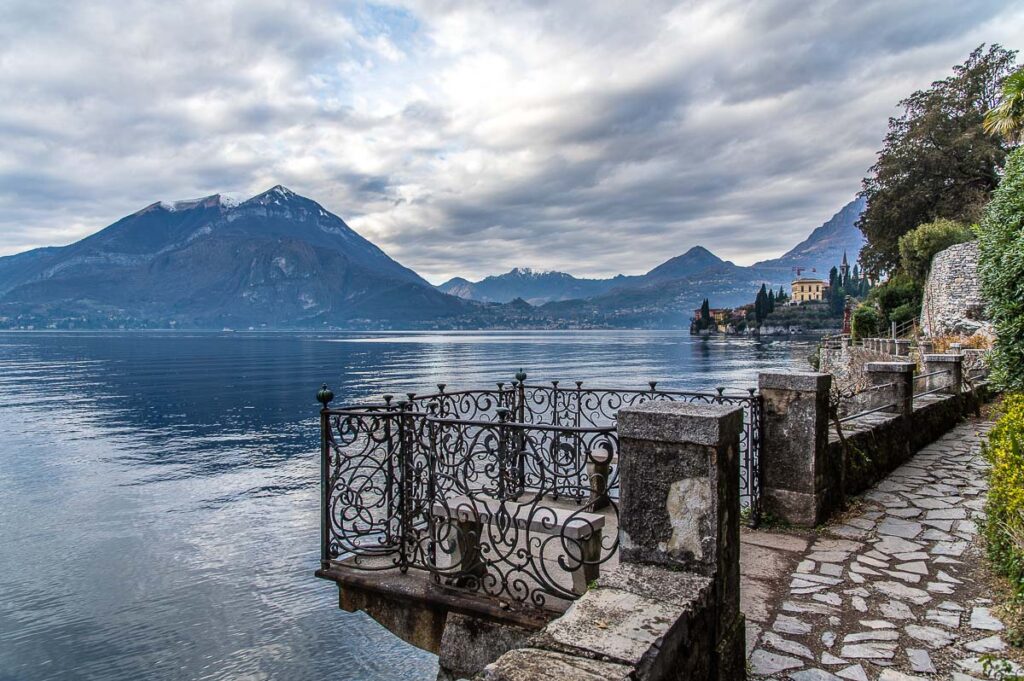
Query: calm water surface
(159, 515)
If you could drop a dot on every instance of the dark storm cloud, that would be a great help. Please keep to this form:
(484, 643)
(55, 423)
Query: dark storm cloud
(466, 139)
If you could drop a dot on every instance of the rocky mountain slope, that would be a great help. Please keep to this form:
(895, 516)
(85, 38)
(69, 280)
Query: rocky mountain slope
(277, 259)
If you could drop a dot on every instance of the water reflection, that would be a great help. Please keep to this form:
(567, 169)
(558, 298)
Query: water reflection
(160, 501)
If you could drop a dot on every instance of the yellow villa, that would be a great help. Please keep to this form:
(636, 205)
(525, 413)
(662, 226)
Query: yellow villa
(805, 290)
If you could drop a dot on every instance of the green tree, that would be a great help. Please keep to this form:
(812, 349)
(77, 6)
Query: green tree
(1007, 118)
(898, 299)
(705, 315)
(937, 160)
(864, 323)
(771, 301)
(761, 305)
(919, 246)
(1001, 266)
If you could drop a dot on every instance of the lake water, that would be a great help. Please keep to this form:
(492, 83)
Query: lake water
(159, 515)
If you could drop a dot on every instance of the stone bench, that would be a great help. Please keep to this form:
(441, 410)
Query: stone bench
(581, 532)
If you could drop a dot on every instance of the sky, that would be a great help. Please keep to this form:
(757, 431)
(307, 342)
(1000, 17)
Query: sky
(468, 138)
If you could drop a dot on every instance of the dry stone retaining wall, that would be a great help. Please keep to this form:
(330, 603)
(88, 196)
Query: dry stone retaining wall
(953, 303)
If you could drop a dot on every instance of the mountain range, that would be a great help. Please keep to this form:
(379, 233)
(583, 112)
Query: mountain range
(280, 260)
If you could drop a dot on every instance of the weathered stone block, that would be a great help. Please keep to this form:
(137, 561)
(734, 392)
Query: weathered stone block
(658, 622)
(470, 643)
(532, 664)
(801, 482)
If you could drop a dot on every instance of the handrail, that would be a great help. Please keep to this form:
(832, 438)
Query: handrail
(872, 388)
(933, 373)
(932, 391)
(865, 413)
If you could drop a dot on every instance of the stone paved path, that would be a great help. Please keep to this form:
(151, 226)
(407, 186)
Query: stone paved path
(890, 593)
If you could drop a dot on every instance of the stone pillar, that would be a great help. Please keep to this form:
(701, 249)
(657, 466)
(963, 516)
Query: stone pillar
(890, 346)
(953, 380)
(924, 347)
(899, 376)
(679, 504)
(954, 348)
(902, 347)
(801, 481)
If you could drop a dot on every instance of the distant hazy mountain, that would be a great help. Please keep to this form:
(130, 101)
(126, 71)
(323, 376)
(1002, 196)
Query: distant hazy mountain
(826, 244)
(538, 288)
(532, 286)
(277, 259)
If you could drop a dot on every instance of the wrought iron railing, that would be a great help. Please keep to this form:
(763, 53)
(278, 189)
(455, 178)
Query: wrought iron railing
(509, 492)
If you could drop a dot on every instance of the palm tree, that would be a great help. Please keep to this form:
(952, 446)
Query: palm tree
(1007, 118)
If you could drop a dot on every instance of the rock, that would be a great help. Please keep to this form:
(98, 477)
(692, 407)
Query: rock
(870, 651)
(896, 610)
(949, 548)
(920, 660)
(890, 545)
(785, 645)
(893, 675)
(991, 644)
(943, 617)
(763, 663)
(897, 590)
(931, 636)
(917, 567)
(784, 624)
(831, 660)
(877, 624)
(982, 619)
(905, 529)
(874, 635)
(853, 673)
(813, 675)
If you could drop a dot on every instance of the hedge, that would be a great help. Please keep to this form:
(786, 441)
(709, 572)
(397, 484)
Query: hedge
(1004, 522)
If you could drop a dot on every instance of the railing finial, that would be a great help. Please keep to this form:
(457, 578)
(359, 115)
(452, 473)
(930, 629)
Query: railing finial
(324, 395)
(521, 375)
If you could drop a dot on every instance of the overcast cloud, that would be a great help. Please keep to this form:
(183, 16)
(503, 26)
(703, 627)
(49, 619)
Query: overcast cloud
(468, 138)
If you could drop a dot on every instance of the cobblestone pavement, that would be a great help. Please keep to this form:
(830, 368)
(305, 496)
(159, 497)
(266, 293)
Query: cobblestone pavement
(891, 593)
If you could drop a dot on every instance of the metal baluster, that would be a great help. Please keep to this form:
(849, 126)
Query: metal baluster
(324, 397)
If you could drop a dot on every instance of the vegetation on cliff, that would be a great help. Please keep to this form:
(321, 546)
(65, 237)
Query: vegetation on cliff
(1001, 266)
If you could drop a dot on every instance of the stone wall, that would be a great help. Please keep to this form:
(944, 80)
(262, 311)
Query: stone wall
(952, 296)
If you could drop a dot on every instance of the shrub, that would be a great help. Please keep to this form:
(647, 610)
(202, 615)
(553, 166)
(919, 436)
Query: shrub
(864, 322)
(900, 293)
(1004, 521)
(919, 246)
(1001, 269)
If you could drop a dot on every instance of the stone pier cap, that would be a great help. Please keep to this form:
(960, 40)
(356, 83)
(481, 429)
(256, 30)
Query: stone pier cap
(686, 422)
(943, 358)
(795, 380)
(891, 367)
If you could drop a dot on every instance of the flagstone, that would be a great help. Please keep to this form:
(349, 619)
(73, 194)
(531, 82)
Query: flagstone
(920, 660)
(763, 663)
(933, 637)
(982, 619)
(869, 651)
(992, 644)
(853, 673)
